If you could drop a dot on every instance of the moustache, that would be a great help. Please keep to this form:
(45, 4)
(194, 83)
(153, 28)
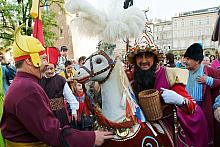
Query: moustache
(145, 63)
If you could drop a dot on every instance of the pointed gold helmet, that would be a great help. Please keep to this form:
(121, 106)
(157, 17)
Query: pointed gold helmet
(25, 47)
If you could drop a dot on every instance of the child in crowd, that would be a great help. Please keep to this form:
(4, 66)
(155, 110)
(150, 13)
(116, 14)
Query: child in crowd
(84, 117)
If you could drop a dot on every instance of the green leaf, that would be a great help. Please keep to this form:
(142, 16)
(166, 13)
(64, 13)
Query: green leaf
(16, 12)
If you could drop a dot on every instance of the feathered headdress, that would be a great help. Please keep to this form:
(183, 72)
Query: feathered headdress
(116, 24)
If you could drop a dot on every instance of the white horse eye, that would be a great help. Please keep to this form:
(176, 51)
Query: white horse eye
(98, 61)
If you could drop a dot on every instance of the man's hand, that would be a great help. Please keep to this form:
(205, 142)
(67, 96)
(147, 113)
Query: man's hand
(217, 114)
(171, 97)
(201, 79)
(100, 137)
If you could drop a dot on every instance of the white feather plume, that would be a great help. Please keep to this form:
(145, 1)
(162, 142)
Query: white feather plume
(90, 22)
(117, 23)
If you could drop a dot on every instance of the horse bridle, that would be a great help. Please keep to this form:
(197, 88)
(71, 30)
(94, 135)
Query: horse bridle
(110, 66)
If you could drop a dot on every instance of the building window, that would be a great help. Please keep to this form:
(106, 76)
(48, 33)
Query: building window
(191, 33)
(175, 35)
(180, 34)
(169, 35)
(207, 32)
(199, 22)
(207, 20)
(199, 33)
(175, 44)
(164, 35)
(182, 24)
(191, 23)
(158, 29)
(175, 24)
(182, 43)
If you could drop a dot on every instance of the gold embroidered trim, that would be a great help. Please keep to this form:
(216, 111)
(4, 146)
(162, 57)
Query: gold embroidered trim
(57, 103)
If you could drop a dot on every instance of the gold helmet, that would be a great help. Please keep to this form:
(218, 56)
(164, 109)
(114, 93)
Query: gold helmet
(25, 47)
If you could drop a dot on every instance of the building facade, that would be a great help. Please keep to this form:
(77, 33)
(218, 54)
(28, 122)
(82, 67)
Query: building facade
(163, 34)
(195, 26)
(64, 34)
(185, 29)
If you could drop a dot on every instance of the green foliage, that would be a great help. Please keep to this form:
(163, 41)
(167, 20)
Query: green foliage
(49, 23)
(7, 21)
(16, 12)
(106, 47)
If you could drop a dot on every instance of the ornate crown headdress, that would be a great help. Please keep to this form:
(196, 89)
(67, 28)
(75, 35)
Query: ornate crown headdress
(145, 44)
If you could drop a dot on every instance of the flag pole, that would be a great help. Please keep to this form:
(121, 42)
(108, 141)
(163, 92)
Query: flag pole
(38, 12)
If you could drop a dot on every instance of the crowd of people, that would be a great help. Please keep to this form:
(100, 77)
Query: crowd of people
(171, 60)
(34, 113)
(49, 96)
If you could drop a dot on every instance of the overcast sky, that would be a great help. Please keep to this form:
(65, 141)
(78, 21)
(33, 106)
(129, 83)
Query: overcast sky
(165, 9)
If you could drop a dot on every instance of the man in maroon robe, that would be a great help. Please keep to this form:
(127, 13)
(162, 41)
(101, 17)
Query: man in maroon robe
(148, 74)
(27, 118)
